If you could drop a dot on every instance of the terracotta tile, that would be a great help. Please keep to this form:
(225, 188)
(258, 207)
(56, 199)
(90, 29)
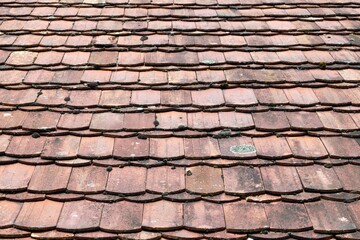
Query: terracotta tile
(340, 147)
(49, 58)
(39, 215)
(21, 58)
(65, 147)
(79, 41)
(49, 179)
(67, 77)
(96, 235)
(204, 180)
(353, 208)
(203, 120)
(13, 232)
(287, 217)
(122, 217)
(281, 180)
(253, 217)
(171, 120)
(8, 213)
(96, 76)
(25, 146)
(210, 76)
(103, 58)
(84, 25)
(11, 120)
(211, 57)
(331, 96)
(52, 97)
(176, 58)
(307, 147)
(271, 121)
(304, 121)
(41, 121)
(236, 120)
(145, 97)
(153, 78)
(165, 180)
(154, 218)
(74, 121)
(80, 216)
(203, 216)
(347, 174)
(240, 97)
(86, 98)
(241, 180)
(27, 40)
(124, 77)
(176, 98)
(182, 77)
(87, 179)
(228, 148)
(15, 177)
(330, 217)
(107, 121)
(271, 96)
(38, 77)
(131, 58)
(207, 98)
(131, 148)
(199, 148)
(53, 40)
(298, 76)
(4, 143)
(127, 180)
(265, 57)
(168, 148)
(60, 25)
(96, 147)
(301, 96)
(317, 57)
(12, 77)
(292, 57)
(76, 58)
(272, 147)
(326, 75)
(233, 40)
(319, 178)
(139, 121)
(337, 121)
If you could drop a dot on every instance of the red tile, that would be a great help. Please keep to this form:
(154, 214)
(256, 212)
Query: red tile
(67, 77)
(292, 57)
(271, 96)
(182, 77)
(154, 218)
(233, 40)
(21, 58)
(241, 180)
(60, 25)
(203, 216)
(15, 177)
(11, 120)
(87, 179)
(79, 41)
(253, 217)
(199, 148)
(41, 215)
(25, 146)
(336, 121)
(287, 217)
(41, 121)
(212, 76)
(124, 77)
(238, 57)
(80, 216)
(330, 217)
(145, 97)
(240, 97)
(107, 121)
(8, 213)
(64, 147)
(204, 180)
(4, 143)
(165, 180)
(211, 57)
(271, 121)
(139, 121)
(49, 179)
(53, 40)
(96, 235)
(39, 77)
(27, 40)
(203, 120)
(84, 25)
(207, 98)
(272, 147)
(298, 76)
(104, 58)
(176, 98)
(12, 77)
(76, 58)
(281, 25)
(265, 57)
(52, 97)
(318, 57)
(340, 147)
(348, 176)
(74, 121)
(236, 120)
(304, 121)
(354, 212)
(307, 147)
(49, 58)
(13, 232)
(326, 75)
(319, 179)
(153, 77)
(96, 76)
(331, 96)
(127, 180)
(301, 96)
(86, 98)
(131, 58)
(281, 180)
(122, 217)
(171, 120)
(168, 148)
(96, 147)
(229, 146)
(131, 148)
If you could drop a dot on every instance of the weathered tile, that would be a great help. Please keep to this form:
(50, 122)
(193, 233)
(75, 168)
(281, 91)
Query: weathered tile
(199, 148)
(340, 147)
(307, 147)
(25, 146)
(335, 121)
(271, 121)
(139, 121)
(272, 147)
(236, 120)
(13, 119)
(347, 174)
(301, 96)
(165, 180)
(64, 147)
(96, 147)
(176, 98)
(168, 148)
(107, 121)
(243, 180)
(203, 120)
(8, 213)
(115, 98)
(88, 179)
(154, 219)
(240, 97)
(171, 120)
(74, 121)
(145, 97)
(281, 180)
(204, 180)
(237, 148)
(127, 180)
(207, 98)
(304, 120)
(131, 148)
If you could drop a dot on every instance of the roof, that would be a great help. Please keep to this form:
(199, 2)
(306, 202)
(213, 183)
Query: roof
(180, 119)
